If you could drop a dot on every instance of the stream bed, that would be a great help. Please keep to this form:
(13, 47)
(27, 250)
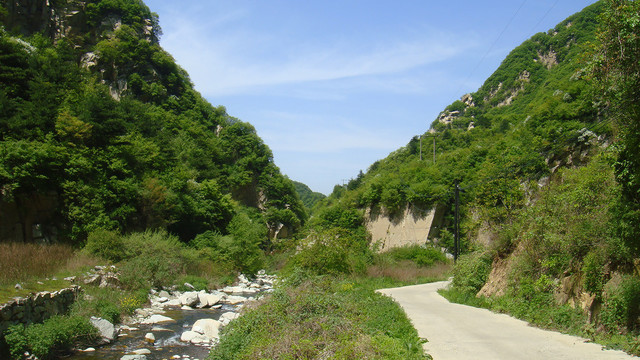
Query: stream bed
(167, 342)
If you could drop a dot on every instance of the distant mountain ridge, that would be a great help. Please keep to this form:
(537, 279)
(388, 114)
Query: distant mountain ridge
(309, 197)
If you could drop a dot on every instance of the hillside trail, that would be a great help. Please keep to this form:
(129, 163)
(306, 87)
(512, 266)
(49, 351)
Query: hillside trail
(461, 332)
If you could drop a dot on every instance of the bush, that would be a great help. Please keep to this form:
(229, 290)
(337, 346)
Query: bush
(321, 317)
(241, 247)
(154, 258)
(105, 244)
(472, 271)
(59, 333)
(621, 306)
(107, 303)
(332, 252)
(422, 256)
(593, 273)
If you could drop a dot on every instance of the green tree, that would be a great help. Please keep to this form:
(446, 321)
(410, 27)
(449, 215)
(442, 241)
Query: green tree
(616, 66)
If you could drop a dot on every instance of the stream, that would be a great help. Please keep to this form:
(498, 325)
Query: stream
(167, 344)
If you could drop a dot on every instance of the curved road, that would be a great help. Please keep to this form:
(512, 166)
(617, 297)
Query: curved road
(460, 332)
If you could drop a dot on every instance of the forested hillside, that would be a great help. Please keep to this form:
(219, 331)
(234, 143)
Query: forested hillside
(309, 197)
(545, 158)
(101, 129)
(532, 116)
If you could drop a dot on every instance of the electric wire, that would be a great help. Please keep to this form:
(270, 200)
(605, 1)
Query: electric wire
(492, 46)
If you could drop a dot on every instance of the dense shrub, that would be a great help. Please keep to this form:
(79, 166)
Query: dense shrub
(155, 259)
(593, 272)
(422, 256)
(59, 333)
(472, 271)
(150, 258)
(321, 318)
(333, 251)
(240, 248)
(105, 244)
(108, 303)
(621, 306)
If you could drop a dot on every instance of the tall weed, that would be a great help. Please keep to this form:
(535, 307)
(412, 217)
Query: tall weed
(21, 262)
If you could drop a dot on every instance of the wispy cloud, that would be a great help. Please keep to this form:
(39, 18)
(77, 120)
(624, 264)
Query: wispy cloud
(227, 60)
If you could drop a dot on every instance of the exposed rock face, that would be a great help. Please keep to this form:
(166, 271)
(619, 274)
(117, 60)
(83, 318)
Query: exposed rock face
(548, 59)
(103, 276)
(447, 117)
(412, 227)
(523, 79)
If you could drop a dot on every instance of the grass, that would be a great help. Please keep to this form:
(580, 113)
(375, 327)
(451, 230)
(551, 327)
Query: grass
(336, 316)
(38, 268)
(22, 262)
(322, 317)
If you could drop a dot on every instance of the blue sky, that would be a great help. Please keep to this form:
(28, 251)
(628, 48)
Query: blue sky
(332, 86)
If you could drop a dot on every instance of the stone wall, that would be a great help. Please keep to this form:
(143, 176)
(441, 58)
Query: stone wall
(37, 308)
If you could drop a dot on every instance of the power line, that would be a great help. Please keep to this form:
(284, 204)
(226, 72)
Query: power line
(544, 16)
(492, 46)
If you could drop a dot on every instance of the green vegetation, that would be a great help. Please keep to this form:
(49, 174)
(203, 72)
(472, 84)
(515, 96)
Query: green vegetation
(546, 153)
(107, 125)
(559, 246)
(531, 115)
(56, 334)
(308, 197)
(148, 176)
(313, 317)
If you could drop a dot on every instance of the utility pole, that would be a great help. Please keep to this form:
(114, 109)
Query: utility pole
(434, 148)
(456, 240)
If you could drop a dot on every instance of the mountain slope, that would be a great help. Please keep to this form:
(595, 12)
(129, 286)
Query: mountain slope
(100, 128)
(531, 116)
(309, 197)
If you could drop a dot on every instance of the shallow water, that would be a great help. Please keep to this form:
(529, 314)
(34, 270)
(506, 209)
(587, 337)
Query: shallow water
(167, 342)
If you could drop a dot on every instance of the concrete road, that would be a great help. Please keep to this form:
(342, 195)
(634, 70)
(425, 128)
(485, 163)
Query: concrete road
(459, 332)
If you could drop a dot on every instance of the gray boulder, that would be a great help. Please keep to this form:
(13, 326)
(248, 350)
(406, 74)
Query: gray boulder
(106, 329)
(189, 299)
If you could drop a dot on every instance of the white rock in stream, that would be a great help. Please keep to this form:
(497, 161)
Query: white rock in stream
(234, 300)
(156, 319)
(134, 357)
(210, 327)
(189, 298)
(173, 302)
(106, 329)
(141, 352)
(209, 299)
(187, 336)
(227, 317)
(150, 337)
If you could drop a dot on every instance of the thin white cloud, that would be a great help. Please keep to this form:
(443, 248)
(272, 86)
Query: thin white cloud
(241, 61)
